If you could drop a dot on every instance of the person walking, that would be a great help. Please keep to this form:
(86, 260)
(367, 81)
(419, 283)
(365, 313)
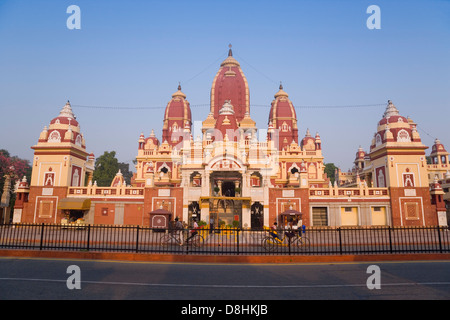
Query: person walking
(179, 230)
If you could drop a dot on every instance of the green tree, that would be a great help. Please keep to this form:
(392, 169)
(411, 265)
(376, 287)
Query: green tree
(106, 168)
(127, 174)
(330, 170)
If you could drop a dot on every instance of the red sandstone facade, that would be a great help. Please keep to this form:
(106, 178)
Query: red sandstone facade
(231, 174)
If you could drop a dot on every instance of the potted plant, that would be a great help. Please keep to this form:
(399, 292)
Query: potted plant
(237, 191)
(216, 190)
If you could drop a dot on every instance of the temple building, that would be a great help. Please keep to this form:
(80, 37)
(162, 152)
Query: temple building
(227, 171)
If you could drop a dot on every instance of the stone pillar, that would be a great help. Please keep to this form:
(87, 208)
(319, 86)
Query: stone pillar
(219, 184)
(4, 205)
(246, 214)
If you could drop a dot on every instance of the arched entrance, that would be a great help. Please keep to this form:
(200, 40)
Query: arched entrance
(257, 216)
(193, 212)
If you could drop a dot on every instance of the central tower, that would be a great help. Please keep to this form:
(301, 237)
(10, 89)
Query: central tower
(230, 85)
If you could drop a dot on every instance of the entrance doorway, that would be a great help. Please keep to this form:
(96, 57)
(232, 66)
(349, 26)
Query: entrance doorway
(228, 189)
(74, 215)
(257, 216)
(193, 212)
(320, 216)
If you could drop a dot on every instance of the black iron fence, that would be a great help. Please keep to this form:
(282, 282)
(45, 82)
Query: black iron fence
(228, 241)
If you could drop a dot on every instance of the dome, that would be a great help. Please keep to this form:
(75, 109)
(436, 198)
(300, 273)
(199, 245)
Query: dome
(63, 129)
(66, 116)
(281, 107)
(394, 127)
(152, 138)
(308, 142)
(283, 118)
(393, 118)
(230, 84)
(176, 116)
(360, 154)
(438, 147)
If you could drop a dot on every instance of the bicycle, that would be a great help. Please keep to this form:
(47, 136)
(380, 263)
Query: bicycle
(171, 237)
(270, 243)
(196, 241)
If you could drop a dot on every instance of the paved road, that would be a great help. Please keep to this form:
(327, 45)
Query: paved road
(47, 279)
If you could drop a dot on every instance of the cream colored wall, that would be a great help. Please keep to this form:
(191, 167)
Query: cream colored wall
(62, 167)
(396, 166)
(379, 218)
(349, 218)
(362, 214)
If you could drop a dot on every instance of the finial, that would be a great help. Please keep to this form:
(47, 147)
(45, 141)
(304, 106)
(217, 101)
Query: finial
(230, 53)
(179, 86)
(281, 85)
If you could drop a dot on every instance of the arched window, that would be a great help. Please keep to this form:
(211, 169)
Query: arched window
(54, 136)
(380, 179)
(403, 136)
(78, 140)
(378, 140)
(75, 178)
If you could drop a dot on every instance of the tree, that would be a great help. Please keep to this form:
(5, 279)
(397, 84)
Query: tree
(127, 174)
(330, 170)
(15, 167)
(106, 168)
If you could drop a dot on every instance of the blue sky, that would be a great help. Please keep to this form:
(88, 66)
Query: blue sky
(133, 54)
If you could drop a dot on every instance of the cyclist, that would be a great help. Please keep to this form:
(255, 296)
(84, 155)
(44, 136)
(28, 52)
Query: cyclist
(194, 230)
(290, 229)
(273, 232)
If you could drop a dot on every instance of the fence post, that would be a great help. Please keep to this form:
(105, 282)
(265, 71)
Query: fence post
(88, 237)
(340, 241)
(237, 240)
(390, 239)
(439, 236)
(289, 244)
(42, 236)
(137, 239)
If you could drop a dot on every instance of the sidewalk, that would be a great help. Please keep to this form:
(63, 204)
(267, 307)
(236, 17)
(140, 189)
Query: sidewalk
(229, 259)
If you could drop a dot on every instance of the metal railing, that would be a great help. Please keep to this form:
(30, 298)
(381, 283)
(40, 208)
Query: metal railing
(228, 241)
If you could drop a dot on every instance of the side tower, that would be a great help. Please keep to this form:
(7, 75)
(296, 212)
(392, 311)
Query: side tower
(176, 116)
(60, 161)
(282, 116)
(398, 162)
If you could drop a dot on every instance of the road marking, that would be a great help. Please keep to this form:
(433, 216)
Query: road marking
(225, 286)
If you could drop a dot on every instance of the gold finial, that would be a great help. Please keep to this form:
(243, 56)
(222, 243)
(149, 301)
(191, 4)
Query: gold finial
(179, 86)
(230, 53)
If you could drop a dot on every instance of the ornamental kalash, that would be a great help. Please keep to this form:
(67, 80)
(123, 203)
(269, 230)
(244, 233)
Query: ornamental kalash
(232, 174)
